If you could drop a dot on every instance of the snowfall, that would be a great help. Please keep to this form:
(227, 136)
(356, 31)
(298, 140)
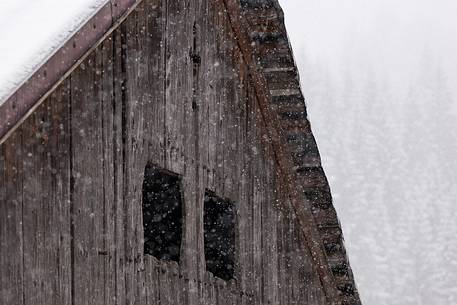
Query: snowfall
(380, 79)
(31, 31)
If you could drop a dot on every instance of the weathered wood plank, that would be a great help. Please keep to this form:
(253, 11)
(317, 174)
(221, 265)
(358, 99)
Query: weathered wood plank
(155, 287)
(221, 292)
(45, 193)
(118, 167)
(177, 89)
(165, 284)
(281, 256)
(272, 224)
(169, 86)
(109, 142)
(36, 189)
(135, 147)
(87, 175)
(258, 199)
(61, 216)
(11, 234)
(154, 80)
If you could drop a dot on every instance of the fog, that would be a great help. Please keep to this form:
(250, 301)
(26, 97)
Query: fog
(389, 37)
(380, 79)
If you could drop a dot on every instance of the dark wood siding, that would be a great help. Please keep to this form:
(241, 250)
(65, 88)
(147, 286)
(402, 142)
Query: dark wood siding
(170, 87)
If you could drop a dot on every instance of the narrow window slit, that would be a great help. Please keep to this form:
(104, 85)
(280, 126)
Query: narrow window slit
(219, 236)
(162, 213)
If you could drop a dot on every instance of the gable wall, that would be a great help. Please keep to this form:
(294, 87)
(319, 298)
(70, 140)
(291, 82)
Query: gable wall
(168, 86)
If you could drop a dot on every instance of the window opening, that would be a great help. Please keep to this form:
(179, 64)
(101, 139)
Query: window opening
(162, 213)
(219, 235)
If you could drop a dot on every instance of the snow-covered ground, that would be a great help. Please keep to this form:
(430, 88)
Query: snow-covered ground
(31, 31)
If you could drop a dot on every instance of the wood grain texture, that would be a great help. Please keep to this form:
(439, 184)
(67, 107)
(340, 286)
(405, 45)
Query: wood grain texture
(169, 86)
(11, 226)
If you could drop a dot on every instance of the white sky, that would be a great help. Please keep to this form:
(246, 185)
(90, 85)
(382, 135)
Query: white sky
(389, 35)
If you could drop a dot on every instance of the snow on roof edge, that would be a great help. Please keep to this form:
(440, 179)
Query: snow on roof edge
(59, 32)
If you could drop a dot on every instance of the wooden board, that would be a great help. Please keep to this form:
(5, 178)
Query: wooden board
(169, 86)
(11, 228)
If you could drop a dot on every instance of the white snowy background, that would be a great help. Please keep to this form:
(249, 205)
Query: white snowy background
(380, 79)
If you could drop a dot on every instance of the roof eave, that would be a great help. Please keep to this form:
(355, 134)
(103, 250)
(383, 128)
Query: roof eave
(30, 94)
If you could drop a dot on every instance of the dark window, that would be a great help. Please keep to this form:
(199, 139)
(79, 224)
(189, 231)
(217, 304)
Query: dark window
(219, 228)
(162, 213)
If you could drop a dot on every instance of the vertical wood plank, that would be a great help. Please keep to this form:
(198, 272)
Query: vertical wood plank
(118, 160)
(36, 189)
(109, 159)
(61, 217)
(154, 80)
(87, 171)
(45, 193)
(165, 284)
(11, 241)
(132, 130)
(281, 256)
(177, 94)
(258, 199)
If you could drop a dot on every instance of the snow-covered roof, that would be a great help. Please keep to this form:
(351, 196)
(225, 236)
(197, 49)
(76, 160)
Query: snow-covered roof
(32, 31)
(40, 43)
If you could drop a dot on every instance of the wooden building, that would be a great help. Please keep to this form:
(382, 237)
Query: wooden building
(163, 156)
